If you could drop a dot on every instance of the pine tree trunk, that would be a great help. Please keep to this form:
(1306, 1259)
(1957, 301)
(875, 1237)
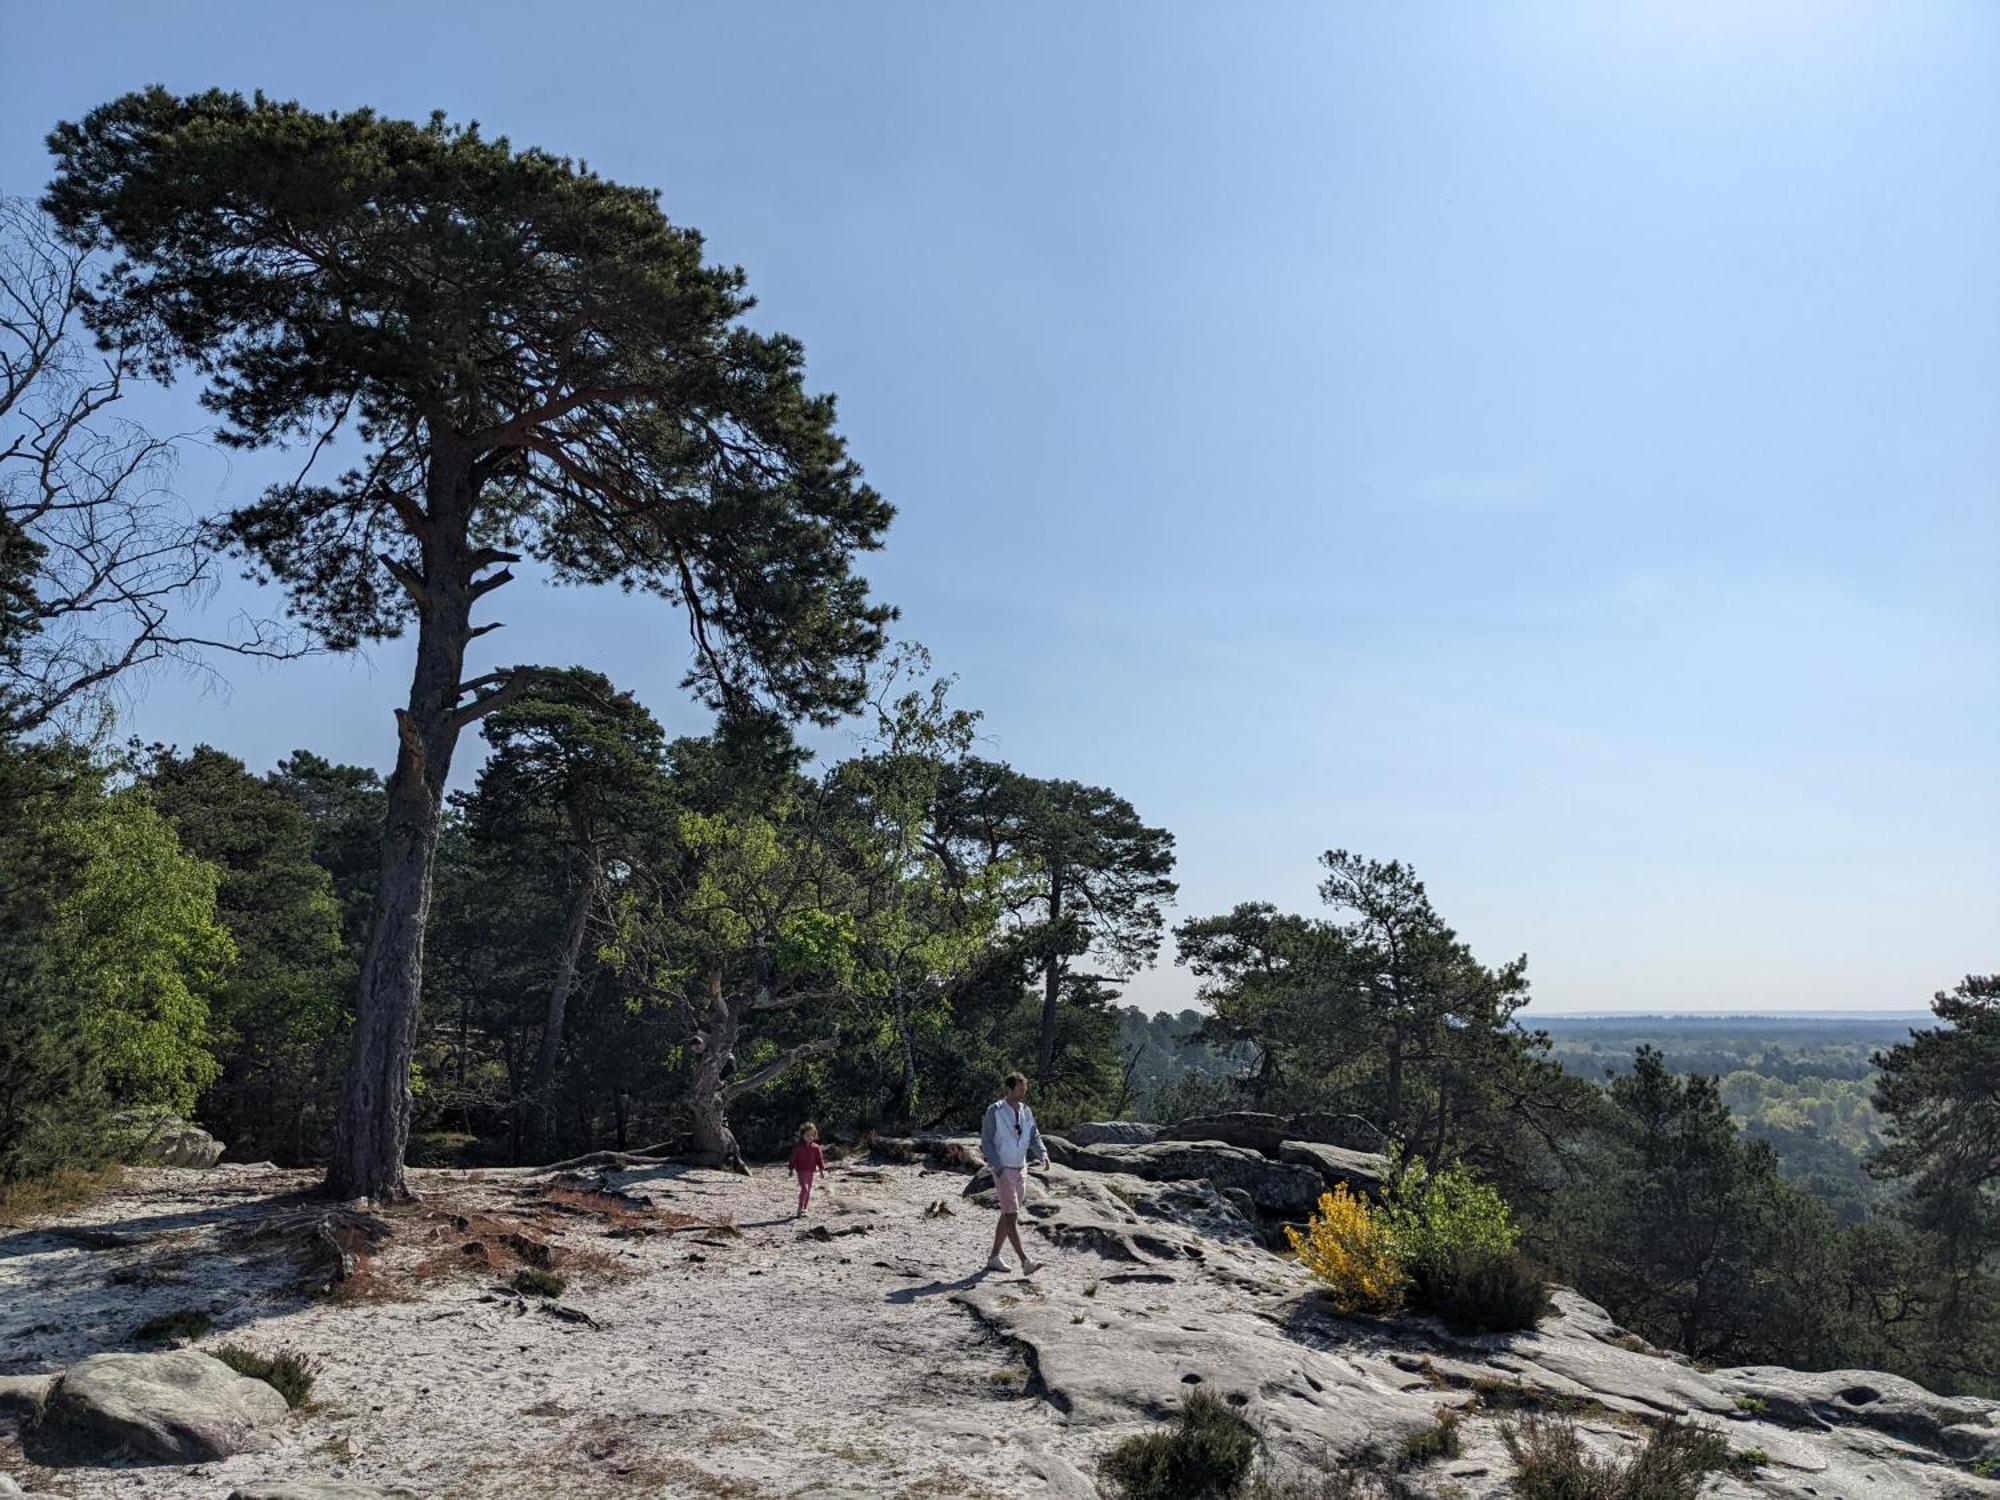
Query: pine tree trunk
(559, 993)
(374, 1123)
(1051, 986)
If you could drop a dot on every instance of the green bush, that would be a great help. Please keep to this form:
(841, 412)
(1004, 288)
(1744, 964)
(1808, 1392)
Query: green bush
(534, 1283)
(1551, 1462)
(1476, 1290)
(290, 1375)
(1431, 1213)
(1205, 1455)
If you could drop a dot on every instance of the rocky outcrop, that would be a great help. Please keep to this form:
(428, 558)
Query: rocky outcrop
(1175, 1308)
(169, 1141)
(182, 1406)
(1283, 1189)
(1265, 1133)
(1112, 1133)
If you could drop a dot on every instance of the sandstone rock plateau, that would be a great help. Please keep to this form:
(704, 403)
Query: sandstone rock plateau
(706, 1343)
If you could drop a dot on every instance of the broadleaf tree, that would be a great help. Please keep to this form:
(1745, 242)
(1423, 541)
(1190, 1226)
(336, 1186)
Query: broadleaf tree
(530, 361)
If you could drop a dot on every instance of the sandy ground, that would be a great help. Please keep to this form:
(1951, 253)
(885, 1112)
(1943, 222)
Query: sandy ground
(753, 1362)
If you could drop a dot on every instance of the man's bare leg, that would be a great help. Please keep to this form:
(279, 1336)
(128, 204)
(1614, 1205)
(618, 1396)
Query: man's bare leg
(1012, 1225)
(1005, 1231)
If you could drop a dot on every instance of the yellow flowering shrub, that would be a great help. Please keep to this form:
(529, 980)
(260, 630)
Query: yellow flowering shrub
(1346, 1246)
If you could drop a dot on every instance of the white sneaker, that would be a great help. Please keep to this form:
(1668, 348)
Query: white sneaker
(1029, 1267)
(995, 1263)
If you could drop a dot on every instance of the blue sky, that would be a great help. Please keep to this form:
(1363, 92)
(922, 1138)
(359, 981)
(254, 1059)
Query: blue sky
(1555, 445)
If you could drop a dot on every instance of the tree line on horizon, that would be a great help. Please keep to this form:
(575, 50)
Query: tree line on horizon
(617, 939)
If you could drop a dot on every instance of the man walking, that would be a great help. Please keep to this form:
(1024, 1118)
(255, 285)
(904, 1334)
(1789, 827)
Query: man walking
(1009, 1141)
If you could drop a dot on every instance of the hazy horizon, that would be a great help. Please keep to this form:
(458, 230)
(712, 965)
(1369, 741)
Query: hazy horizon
(1551, 446)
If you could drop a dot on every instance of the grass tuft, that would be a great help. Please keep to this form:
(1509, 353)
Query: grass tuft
(290, 1375)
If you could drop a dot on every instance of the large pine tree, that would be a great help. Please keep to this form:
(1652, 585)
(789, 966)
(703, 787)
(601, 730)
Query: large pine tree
(532, 362)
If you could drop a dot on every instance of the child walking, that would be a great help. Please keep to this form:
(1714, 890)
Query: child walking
(807, 1162)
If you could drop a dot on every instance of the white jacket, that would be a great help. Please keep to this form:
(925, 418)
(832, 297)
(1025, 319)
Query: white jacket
(1009, 1142)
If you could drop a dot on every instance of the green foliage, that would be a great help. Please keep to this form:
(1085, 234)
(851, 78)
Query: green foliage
(110, 954)
(1802, 1084)
(420, 284)
(280, 1017)
(1432, 1213)
(139, 939)
(1551, 1462)
(54, 1107)
(1689, 1235)
(536, 1283)
(1455, 1239)
(1084, 875)
(1388, 1015)
(1170, 1072)
(290, 1374)
(1940, 1092)
(1205, 1455)
(345, 807)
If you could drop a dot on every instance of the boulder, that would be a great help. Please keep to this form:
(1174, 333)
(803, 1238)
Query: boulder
(1361, 1172)
(183, 1406)
(1281, 1188)
(1112, 1133)
(169, 1141)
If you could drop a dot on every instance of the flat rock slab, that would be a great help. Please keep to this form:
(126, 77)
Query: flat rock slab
(1361, 1172)
(183, 1406)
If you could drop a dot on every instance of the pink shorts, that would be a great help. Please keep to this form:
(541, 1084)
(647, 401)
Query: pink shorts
(1011, 1183)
